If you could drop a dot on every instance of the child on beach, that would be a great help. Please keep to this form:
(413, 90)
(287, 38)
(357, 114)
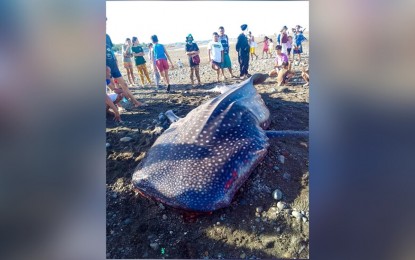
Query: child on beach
(265, 49)
(161, 56)
(271, 47)
(223, 38)
(156, 74)
(128, 65)
(252, 44)
(180, 64)
(298, 47)
(192, 51)
(282, 67)
(215, 53)
(140, 62)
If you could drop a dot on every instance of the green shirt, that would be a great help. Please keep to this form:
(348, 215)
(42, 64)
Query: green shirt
(138, 59)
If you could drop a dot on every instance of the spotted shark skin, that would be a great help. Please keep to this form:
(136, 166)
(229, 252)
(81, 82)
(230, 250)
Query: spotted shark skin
(201, 160)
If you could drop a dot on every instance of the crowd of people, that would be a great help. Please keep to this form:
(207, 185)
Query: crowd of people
(218, 56)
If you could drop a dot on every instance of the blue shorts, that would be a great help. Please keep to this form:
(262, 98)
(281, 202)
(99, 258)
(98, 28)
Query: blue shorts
(115, 72)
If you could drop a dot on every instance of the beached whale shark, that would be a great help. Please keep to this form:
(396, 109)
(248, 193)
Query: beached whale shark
(201, 160)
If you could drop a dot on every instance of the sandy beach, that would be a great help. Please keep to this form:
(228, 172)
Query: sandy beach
(255, 225)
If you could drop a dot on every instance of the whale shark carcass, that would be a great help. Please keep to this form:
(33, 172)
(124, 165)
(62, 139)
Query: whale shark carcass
(201, 160)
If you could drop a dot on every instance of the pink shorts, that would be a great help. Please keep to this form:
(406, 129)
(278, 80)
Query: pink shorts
(162, 65)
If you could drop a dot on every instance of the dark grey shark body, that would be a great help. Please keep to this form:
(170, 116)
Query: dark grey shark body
(201, 160)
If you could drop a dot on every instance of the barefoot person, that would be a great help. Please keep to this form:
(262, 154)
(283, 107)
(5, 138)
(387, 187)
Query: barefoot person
(224, 40)
(192, 51)
(281, 68)
(252, 44)
(161, 56)
(271, 47)
(215, 54)
(111, 62)
(140, 62)
(265, 49)
(242, 47)
(128, 64)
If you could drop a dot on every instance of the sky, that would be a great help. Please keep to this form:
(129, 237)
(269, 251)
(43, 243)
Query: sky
(172, 21)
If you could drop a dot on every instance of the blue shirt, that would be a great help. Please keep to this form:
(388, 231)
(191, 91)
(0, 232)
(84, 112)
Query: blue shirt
(159, 52)
(299, 38)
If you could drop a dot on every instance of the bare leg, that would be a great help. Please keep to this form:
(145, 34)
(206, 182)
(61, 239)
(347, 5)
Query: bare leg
(192, 69)
(166, 76)
(223, 73)
(127, 92)
(197, 74)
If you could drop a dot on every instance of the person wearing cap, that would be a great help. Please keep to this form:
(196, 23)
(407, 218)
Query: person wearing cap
(192, 50)
(242, 47)
(223, 38)
(215, 54)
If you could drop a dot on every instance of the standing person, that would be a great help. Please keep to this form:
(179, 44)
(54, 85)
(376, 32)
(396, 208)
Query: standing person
(243, 48)
(265, 49)
(161, 56)
(128, 65)
(180, 64)
(156, 74)
(289, 46)
(271, 47)
(192, 51)
(140, 62)
(224, 40)
(298, 47)
(284, 39)
(215, 54)
(279, 39)
(252, 44)
(111, 62)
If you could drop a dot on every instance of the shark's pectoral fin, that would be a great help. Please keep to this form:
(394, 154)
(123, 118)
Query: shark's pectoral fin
(258, 78)
(172, 117)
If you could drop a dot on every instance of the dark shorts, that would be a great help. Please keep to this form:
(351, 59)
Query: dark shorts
(299, 50)
(289, 51)
(115, 72)
(219, 64)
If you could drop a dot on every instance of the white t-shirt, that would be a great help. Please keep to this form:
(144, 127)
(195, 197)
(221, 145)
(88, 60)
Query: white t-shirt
(215, 49)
